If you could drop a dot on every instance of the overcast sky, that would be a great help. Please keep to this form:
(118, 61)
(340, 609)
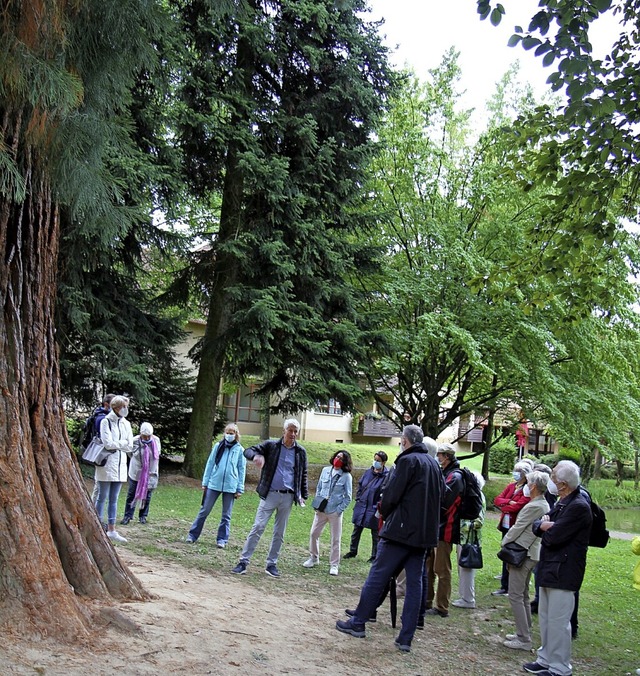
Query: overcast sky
(420, 32)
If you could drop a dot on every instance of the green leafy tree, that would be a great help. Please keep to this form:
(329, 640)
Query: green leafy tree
(280, 99)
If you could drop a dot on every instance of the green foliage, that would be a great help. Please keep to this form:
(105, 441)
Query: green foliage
(607, 494)
(502, 457)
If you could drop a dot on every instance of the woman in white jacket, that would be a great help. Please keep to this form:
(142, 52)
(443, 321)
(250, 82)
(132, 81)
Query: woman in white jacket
(117, 437)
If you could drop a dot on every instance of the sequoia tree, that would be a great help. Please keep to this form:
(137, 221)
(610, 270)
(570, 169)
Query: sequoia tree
(65, 72)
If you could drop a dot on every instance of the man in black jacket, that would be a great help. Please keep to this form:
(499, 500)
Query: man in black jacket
(410, 507)
(283, 482)
(565, 534)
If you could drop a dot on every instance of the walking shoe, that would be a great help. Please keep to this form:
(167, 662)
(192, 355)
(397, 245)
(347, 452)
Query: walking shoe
(310, 562)
(125, 521)
(221, 545)
(190, 540)
(435, 611)
(241, 568)
(534, 667)
(272, 570)
(333, 570)
(498, 576)
(402, 647)
(420, 624)
(350, 555)
(500, 592)
(461, 603)
(115, 536)
(143, 519)
(371, 559)
(510, 637)
(348, 627)
(373, 618)
(517, 644)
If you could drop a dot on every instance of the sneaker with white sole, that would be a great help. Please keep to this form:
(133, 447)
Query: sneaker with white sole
(115, 536)
(333, 570)
(310, 562)
(517, 644)
(461, 603)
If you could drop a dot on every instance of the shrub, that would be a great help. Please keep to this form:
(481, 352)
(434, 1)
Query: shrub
(502, 457)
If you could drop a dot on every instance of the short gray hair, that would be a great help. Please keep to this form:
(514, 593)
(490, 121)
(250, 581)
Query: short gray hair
(539, 479)
(413, 434)
(569, 473)
(118, 402)
(291, 422)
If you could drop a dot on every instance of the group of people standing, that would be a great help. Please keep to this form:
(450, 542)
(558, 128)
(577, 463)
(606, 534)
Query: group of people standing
(132, 458)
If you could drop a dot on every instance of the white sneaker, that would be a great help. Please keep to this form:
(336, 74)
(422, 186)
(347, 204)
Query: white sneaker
(333, 570)
(510, 637)
(516, 644)
(461, 603)
(115, 536)
(311, 562)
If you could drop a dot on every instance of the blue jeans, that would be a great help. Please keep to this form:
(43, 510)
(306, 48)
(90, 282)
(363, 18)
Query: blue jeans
(391, 558)
(210, 499)
(131, 494)
(111, 490)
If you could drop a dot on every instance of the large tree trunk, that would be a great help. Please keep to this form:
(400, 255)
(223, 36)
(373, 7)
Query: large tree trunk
(53, 550)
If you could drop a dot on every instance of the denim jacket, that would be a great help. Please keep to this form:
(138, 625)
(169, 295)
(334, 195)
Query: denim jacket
(340, 489)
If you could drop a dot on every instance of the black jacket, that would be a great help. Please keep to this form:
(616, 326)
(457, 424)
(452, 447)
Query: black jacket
(271, 451)
(451, 499)
(563, 555)
(410, 504)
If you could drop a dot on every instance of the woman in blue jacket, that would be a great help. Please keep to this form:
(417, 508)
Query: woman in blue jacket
(223, 475)
(335, 484)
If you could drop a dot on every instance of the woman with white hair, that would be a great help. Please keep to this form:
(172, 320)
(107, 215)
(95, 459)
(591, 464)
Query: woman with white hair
(521, 533)
(510, 502)
(143, 473)
(469, 533)
(117, 437)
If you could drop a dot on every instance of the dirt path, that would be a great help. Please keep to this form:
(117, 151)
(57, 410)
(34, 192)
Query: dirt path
(217, 623)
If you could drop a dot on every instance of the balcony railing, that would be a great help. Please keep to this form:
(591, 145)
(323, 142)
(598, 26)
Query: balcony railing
(378, 428)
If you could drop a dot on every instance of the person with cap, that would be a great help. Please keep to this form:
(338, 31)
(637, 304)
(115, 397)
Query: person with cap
(224, 475)
(439, 562)
(409, 506)
(143, 473)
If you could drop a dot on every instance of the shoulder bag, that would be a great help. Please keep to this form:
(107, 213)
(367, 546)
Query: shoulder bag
(513, 554)
(471, 552)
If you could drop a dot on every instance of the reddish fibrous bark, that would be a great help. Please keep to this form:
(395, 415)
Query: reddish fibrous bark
(54, 554)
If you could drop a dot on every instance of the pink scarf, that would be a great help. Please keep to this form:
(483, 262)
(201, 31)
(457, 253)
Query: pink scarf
(146, 449)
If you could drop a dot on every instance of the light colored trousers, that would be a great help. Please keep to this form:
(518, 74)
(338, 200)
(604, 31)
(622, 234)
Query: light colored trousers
(281, 504)
(519, 598)
(466, 581)
(320, 520)
(555, 607)
(439, 563)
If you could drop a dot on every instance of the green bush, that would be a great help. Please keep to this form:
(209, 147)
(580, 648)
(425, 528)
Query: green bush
(502, 457)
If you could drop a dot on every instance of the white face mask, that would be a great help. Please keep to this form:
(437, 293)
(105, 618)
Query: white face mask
(552, 488)
(526, 492)
(123, 412)
(230, 437)
(517, 476)
(377, 464)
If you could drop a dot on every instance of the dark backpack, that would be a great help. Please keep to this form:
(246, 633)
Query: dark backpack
(599, 536)
(471, 504)
(88, 431)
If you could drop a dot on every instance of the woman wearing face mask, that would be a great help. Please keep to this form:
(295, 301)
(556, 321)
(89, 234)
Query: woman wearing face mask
(224, 475)
(510, 502)
(117, 437)
(143, 473)
(364, 511)
(521, 532)
(335, 484)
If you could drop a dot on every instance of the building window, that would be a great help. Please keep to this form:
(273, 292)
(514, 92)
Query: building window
(243, 405)
(332, 407)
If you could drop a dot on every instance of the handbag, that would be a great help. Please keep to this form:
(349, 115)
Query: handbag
(471, 552)
(513, 554)
(96, 454)
(319, 503)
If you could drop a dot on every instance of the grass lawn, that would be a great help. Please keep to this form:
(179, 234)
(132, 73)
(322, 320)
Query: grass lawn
(608, 640)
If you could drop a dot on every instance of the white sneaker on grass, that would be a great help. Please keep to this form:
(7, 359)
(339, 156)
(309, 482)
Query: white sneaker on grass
(311, 562)
(333, 570)
(115, 536)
